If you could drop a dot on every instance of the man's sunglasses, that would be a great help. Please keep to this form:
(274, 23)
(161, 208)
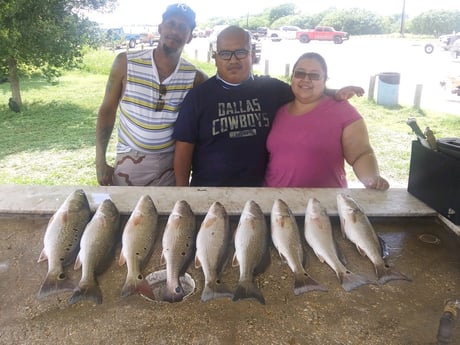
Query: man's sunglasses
(161, 102)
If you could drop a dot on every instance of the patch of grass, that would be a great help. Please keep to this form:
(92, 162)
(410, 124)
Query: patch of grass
(52, 141)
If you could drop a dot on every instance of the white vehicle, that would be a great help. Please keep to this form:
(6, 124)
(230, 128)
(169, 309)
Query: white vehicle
(286, 32)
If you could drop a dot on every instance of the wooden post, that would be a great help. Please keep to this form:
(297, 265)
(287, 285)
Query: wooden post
(196, 54)
(267, 67)
(286, 70)
(418, 95)
(370, 95)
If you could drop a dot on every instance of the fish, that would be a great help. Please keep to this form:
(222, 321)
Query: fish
(212, 250)
(287, 240)
(251, 251)
(138, 239)
(62, 240)
(318, 234)
(357, 228)
(179, 244)
(97, 247)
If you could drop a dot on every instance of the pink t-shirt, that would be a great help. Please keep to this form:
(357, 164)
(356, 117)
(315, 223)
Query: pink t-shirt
(306, 150)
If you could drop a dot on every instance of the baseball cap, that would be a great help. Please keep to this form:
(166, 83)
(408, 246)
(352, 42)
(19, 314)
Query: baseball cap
(183, 10)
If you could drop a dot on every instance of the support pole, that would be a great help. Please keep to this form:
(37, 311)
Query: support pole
(418, 96)
(370, 94)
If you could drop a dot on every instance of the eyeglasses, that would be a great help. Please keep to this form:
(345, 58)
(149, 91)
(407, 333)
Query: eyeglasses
(302, 75)
(161, 102)
(239, 54)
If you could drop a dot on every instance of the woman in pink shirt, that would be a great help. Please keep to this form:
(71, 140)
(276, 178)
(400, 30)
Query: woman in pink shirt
(312, 135)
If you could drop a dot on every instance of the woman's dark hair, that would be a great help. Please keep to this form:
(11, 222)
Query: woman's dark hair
(314, 56)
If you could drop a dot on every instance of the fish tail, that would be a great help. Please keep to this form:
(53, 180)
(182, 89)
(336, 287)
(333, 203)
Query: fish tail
(90, 292)
(137, 286)
(350, 280)
(246, 290)
(385, 274)
(304, 283)
(173, 295)
(215, 290)
(54, 284)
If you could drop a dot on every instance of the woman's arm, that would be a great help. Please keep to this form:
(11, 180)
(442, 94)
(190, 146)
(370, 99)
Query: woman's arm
(360, 155)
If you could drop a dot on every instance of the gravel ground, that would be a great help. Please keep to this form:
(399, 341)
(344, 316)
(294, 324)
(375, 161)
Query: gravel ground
(398, 312)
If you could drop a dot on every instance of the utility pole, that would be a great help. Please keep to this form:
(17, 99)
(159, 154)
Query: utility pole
(403, 18)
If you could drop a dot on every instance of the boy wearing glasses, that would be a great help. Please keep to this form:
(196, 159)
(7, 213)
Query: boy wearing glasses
(223, 124)
(147, 88)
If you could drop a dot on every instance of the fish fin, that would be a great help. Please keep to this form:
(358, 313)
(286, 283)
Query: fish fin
(263, 264)
(43, 256)
(197, 262)
(304, 283)
(215, 290)
(247, 290)
(162, 259)
(342, 227)
(360, 251)
(386, 273)
(86, 292)
(320, 257)
(55, 284)
(235, 262)
(339, 252)
(351, 281)
(138, 286)
(175, 295)
(122, 259)
(384, 251)
(77, 263)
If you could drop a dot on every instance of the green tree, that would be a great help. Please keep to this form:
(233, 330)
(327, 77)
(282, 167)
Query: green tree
(44, 36)
(436, 22)
(354, 21)
(280, 11)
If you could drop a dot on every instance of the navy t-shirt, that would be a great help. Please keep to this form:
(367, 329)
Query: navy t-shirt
(229, 126)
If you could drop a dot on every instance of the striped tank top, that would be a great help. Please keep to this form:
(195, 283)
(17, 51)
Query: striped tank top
(148, 108)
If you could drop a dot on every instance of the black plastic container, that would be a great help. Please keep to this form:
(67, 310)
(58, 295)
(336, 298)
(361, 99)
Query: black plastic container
(434, 178)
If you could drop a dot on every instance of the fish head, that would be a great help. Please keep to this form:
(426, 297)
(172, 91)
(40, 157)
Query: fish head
(314, 207)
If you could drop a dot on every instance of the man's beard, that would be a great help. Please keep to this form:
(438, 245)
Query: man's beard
(170, 51)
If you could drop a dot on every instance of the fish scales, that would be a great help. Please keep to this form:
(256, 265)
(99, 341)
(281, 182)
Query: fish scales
(138, 239)
(61, 241)
(251, 251)
(358, 229)
(318, 234)
(179, 244)
(212, 250)
(96, 251)
(286, 239)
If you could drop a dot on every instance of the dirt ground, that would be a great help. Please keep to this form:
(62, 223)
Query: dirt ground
(398, 312)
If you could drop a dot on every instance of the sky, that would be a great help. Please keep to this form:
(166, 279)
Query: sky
(131, 12)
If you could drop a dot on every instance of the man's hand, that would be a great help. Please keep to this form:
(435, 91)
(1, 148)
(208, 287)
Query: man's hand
(348, 92)
(104, 175)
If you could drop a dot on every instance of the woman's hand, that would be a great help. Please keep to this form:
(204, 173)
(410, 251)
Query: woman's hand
(348, 92)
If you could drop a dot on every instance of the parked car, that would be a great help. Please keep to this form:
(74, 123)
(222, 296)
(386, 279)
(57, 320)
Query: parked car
(455, 48)
(322, 33)
(286, 32)
(150, 37)
(446, 41)
(256, 45)
(118, 38)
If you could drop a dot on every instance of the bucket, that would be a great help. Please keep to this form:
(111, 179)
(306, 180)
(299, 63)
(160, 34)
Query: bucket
(388, 88)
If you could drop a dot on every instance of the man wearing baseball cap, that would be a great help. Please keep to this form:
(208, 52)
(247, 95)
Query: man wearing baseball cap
(147, 88)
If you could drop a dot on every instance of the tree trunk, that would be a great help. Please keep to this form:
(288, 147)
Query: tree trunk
(14, 80)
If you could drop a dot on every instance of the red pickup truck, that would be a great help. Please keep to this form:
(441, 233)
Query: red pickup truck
(322, 33)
